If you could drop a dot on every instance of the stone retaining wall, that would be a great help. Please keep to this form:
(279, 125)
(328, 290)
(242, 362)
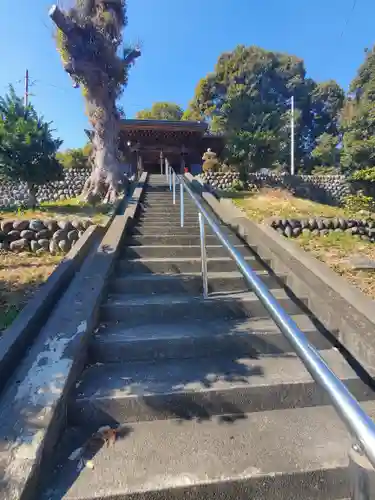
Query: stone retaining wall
(328, 189)
(319, 226)
(41, 236)
(15, 194)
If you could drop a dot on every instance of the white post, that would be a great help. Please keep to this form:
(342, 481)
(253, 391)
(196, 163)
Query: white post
(174, 187)
(166, 168)
(161, 162)
(292, 136)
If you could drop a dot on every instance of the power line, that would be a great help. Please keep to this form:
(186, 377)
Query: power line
(348, 18)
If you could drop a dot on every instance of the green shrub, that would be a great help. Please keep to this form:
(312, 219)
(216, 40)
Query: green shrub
(357, 202)
(365, 174)
(322, 170)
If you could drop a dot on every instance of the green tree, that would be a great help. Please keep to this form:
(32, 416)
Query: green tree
(249, 94)
(161, 111)
(358, 119)
(326, 152)
(27, 148)
(75, 158)
(89, 39)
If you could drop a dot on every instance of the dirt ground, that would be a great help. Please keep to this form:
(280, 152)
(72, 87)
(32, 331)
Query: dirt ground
(335, 249)
(20, 276)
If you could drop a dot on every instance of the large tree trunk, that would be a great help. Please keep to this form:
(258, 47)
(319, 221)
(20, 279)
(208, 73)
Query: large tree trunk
(107, 180)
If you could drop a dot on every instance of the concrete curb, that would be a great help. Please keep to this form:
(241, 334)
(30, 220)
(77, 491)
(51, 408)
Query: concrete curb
(33, 407)
(16, 338)
(19, 336)
(342, 309)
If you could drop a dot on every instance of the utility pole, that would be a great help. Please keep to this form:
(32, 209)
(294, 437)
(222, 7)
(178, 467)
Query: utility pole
(26, 95)
(292, 136)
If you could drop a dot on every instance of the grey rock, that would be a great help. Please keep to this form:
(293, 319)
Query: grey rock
(51, 225)
(361, 262)
(14, 235)
(53, 247)
(20, 225)
(36, 225)
(73, 235)
(59, 235)
(6, 226)
(43, 234)
(19, 245)
(28, 234)
(34, 245)
(44, 243)
(65, 225)
(64, 245)
(288, 232)
(76, 223)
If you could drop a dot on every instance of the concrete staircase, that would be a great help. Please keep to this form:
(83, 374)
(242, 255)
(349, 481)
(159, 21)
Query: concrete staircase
(212, 402)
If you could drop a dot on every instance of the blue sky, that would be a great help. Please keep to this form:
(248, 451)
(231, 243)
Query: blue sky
(182, 40)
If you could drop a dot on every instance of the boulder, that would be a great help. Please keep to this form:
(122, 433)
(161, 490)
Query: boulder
(14, 235)
(19, 245)
(53, 247)
(59, 235)
(65, 225)
(34, 245)
(51, 225)
(64, 245)
(28, 234)
(6, 226)
(44, 243)
(20, 225)
(43, 234)
(73, 235)
(36, 225)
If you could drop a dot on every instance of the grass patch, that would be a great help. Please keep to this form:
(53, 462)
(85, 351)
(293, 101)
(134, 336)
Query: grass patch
(335, 249)
(269, 203)
(65, 209)
(20, 276)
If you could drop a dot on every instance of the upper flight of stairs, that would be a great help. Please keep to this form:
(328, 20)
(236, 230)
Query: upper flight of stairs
(212, 402)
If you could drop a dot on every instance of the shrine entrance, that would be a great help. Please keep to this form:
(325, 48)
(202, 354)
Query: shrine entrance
(147, 145)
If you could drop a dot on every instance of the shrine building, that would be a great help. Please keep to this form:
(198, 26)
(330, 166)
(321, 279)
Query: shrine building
(149, 144)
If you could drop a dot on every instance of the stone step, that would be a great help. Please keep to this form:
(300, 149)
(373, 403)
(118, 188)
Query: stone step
(294, 454)
(138, 309)
(181, 265)
(183, 251)
(114, 343)
(168, 230)
(166, 209)
(171, 239)
(202, 387)
(175, 217)
(149, 284)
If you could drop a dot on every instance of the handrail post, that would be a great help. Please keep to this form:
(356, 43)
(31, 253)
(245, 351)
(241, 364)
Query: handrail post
(170, 178)
(174, 187)
(202, 233)
(362, 475)
(182, 208)
(166, 168)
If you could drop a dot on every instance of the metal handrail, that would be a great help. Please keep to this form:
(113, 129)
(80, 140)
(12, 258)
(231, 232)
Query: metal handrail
(349, 410)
